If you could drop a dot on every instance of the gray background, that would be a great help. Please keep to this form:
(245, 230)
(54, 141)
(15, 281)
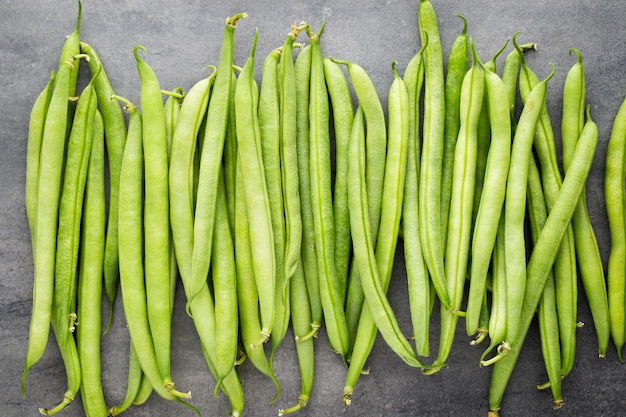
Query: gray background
(184, 36)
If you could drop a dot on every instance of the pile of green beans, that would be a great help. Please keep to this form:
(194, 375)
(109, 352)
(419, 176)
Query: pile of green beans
(272, 213)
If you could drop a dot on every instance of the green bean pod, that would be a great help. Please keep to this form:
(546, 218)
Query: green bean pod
(71, 361)
(322, 203)
(376, 142)
(590, 267)
(289, 165)
(497, 316)
(230, 155)
(565, 273)
(131, 256)
(256, 193)
(343, 116)
(269, 124)
(544, 253)
(115, 138)
(305, 348)
(302, 74)
(432, 152)
(417, 273)
(181, 173)
(36, 125)
(156, 214)
(614, 198)
(462, 201)
(515, 205)
(547, 309)
(375, 266)
(90, 282)
(458, 61)
(224, 279)
(212, 149)
(492, 200)
(134, 382)
(247, 294)
(484, 139)
(70, 213)
(44, 247)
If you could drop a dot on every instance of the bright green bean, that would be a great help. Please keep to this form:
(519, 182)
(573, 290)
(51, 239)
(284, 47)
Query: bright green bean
(462, 201)
(302, 75)
(492, 200)
(321, 197)
(614, 198)
(247, 294)
(36, 124)
(90, 283)
(343, 115)
(515, 206)
(417, 273)
(212, 150)
(301, 323)
(115, 138)
(544, 253)
(590, 267)
(269, 124)
(565, 273)
(70, 213)
(457, 66)
(547, 309)
(432, 152)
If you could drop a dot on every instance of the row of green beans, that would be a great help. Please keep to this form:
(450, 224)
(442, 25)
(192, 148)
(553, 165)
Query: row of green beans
(282, 205)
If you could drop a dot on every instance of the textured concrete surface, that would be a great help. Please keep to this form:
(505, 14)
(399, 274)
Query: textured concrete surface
(184, 36)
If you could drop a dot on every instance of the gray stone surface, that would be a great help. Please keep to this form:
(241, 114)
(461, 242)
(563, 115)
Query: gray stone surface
(184, 36)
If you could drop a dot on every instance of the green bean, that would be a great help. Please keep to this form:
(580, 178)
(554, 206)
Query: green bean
(211, 161)
(343, 116)
(461, 204)
(135, 380)
(547, 309)
(614, 198)
(131, 256)
(321, 196)
(247, 294)
(309, 258)
(172, 106)
(376, 143)
(90, 282)
(301, 323)
(71, 360)
(497, 317)
(375, 267)
(430, 221)
(510, 74)
(417, 272)
(269, 124)
(484, 139)
(544, 253)
(71, 47)
(115, 138)
(181, 173)
(515, 205)
(156, 214)
(44, 248)
(458, 61)
(224, 278)
(289, 160)
(70, 212)
(492, 200)
(565, 274)
(256, 193)
(230, 155)
(36, 124)
(590, 265)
